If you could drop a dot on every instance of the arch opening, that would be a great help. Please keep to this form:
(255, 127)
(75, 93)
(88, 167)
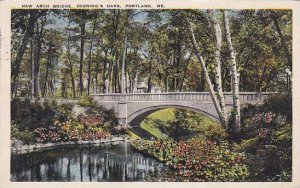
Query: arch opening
(135, 119)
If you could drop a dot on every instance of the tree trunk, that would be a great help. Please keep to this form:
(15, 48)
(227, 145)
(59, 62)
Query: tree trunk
(47, 71)
(178, 55)
(283, 42)
(32, 72)
(235, 89)
(123, 80)
(166, 74)
(205, 72)
(37, 91)
(218, 75)
(105, 73)
(150, 77)
(135, 83)
(97, 69)
(114, 77)
(82, 40)
(71, 67)
(63, 86)
(184, 73)
(90, 58)
(128, 79)
(117, 86)
(27, 36)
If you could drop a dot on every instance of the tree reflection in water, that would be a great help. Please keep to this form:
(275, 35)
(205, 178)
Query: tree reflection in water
(116, 163)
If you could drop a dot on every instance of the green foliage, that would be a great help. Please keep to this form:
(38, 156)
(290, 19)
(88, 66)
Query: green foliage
(27, 115)
(261, 53)
(177, 123)
(63, 112)
(196, 159)
(26, 136)
(187, 122)
(275, 112)
(280, 104)
(207, 127)
(154, 127)
(267, 137)
(272, 161)
(86, 100)
(47, 122)
(247, 145)
(259, 50)
(156, 122)
(96, 114)
(132, 135)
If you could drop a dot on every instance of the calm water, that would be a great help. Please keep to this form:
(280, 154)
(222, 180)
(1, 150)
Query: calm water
(113, 163)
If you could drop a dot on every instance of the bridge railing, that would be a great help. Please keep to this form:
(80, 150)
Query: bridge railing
(170, 96)
(174, 96)
(180, 96)
(250, 96)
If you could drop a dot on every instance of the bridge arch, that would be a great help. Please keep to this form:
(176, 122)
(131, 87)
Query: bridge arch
(138, 116)
(132, 108)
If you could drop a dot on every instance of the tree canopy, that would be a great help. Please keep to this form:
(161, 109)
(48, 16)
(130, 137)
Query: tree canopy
(69, 53)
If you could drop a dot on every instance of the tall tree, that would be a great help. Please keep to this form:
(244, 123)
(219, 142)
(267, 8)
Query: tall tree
(205, 72)
(218, 76)
(70, 64)
(275, 18)
(38, 45)
(91, 54)
(235, 79)
(123, 80)
(29, 32)
(82, 42)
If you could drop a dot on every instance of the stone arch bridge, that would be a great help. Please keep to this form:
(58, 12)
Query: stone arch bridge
(132, 108)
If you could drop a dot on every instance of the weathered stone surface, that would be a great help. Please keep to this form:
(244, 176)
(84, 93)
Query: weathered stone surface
(78, 110)
(22, 149)
(16, 143)
(133, 108)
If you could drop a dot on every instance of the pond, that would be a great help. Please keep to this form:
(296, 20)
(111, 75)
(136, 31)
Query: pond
(115, 163)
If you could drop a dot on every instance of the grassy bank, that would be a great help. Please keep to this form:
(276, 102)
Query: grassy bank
(154, 121)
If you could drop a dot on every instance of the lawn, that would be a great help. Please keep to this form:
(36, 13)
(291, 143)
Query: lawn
(163, 116)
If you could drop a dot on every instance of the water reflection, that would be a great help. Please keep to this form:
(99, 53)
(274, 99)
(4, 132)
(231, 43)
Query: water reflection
(116, 163)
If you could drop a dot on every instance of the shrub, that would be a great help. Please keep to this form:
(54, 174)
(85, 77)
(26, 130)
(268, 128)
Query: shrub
(63, 112)
(209, 128)
(52, 135)
(26, 136)
(26, 115)
(43, 123)
(279, 104)
(197, 160)
(86, 100)
(189, 122)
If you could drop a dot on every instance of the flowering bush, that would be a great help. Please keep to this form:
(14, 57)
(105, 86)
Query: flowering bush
(197, 160)
(262, 119)
(91, 121)
(43, 135)
(261, 124)
(47, 122)
(74, 135)
(263, 132)
(267, 138)
(91, 135)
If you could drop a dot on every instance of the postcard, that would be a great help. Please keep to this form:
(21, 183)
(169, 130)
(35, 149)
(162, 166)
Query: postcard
(142, 93)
